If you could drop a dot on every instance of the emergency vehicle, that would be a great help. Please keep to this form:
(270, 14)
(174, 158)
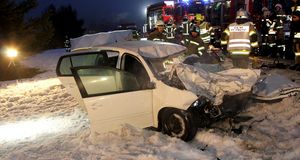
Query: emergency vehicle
(217, 12)
(173, 12)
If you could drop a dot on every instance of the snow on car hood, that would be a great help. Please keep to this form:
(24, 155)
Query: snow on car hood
(215, 85)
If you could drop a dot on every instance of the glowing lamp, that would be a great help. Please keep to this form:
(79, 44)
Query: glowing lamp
(206, 1)
(11, 52)
(169, 3)
(185, 1)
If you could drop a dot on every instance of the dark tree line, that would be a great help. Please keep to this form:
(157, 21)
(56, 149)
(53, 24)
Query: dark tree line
(34, 34)
(66, 24)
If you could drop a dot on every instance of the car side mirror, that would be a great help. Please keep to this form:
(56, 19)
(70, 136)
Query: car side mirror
(151, 85)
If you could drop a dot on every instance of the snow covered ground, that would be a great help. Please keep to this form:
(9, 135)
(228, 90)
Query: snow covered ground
(40, 120)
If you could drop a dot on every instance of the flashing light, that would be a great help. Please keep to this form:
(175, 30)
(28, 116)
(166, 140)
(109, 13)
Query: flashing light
(145, 11)
(186, 1)
(169, 3)
(11, 52)
(206, 1)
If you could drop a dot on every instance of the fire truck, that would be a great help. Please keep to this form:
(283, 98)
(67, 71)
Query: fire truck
(172, 11)
(217, 12)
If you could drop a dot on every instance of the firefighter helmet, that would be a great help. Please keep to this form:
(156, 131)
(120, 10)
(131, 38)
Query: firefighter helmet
(242, 14)
(185, 18)
(264, 9)
(199, 17)
(278, 5)
(159, 23)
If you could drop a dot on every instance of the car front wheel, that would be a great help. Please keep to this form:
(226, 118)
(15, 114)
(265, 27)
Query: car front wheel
(177, 123)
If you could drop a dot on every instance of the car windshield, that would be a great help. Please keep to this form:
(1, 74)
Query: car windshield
(162, 66)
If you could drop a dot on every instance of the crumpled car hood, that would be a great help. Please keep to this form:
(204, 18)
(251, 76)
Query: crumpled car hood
(215, 85)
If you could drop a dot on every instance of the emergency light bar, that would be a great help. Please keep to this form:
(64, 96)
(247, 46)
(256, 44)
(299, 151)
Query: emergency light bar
(169, 3)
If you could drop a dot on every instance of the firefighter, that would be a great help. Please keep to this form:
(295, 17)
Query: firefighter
(296, 42)
(197, 48)
(186, 25)
(194, 43)
(158, 34)
(205, 28)
(295, 27)
(265, 26)
(272, 52)
(170, 30)
(178, 36)
(240, 38)
(280, 19)
(67, 44)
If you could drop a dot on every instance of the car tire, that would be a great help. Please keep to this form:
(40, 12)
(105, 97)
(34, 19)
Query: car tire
(177, 123)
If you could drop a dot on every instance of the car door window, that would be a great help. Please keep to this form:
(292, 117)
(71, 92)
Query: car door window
(85, 60)
(64, 66)
(101, 58)
(93, 81)
(132, 65)
(112, 58)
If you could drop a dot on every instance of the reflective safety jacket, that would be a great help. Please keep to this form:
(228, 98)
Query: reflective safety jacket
(280, 19)
(205, 31)
(170, 31)
(195, 45)
(240, 38)
(186, 26)
(266, 24)
(157, 36)
(297, 39)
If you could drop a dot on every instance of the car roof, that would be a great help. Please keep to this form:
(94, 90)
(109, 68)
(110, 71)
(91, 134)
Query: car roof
(148, 49)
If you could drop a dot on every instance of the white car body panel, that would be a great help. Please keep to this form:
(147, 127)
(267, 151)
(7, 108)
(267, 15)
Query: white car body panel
(71, 86)
(109, 112)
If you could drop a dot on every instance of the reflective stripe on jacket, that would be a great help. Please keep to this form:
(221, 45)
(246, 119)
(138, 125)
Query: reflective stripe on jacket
(239, 37)
(186, 28)
(170, 31)
(194, 45)
(204, 32)
(297, 35)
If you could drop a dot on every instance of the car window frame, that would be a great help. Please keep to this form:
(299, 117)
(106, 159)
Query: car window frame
(58, 73)
(122, 59)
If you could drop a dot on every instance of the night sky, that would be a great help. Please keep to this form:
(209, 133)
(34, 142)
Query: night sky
(94, 11)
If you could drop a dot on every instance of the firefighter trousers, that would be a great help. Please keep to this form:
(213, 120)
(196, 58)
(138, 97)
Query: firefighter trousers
(297, 48)
(240, 61)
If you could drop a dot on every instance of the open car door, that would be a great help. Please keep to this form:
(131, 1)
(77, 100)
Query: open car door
(113, 97)
(66, 62)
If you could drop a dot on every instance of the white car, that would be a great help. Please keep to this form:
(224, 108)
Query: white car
(126, 82)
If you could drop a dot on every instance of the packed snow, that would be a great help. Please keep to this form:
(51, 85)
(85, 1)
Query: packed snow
(40, 120)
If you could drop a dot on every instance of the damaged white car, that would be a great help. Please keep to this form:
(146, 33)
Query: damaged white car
(146, 83)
